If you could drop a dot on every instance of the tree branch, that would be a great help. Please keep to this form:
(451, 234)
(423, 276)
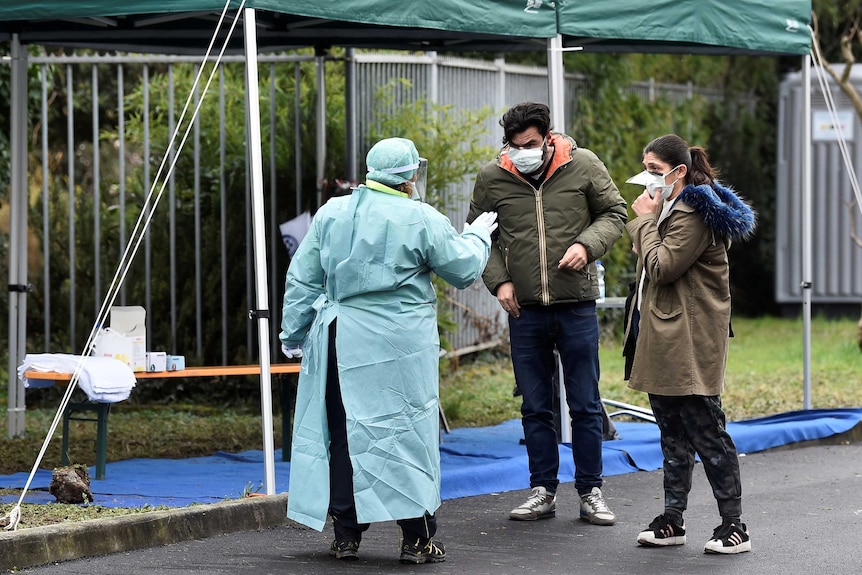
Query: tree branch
(849, 59)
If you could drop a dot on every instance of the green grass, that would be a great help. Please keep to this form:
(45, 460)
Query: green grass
(170, 432)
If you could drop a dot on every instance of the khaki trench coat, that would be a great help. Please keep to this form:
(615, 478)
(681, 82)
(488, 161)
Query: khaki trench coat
(685, 310)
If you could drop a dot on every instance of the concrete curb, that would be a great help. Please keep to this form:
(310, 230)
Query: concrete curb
(36, 546)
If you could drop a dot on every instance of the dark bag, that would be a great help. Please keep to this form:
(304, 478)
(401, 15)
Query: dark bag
(632, 336)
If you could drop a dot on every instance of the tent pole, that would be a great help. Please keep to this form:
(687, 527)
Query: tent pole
(807, 244)
(261, 314)
(350, 114)
(556, 79)
(321, 125)
(556, 83)
(18, 286)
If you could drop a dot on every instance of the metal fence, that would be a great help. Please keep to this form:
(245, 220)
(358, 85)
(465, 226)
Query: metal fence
(99, 170)
(94, 167)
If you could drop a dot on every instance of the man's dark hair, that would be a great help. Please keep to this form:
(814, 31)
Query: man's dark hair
(523, 116)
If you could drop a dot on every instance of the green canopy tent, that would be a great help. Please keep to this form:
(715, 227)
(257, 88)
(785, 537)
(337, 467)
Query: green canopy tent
(183, 26)
(690, 27)
(188, 26)
(686, 26)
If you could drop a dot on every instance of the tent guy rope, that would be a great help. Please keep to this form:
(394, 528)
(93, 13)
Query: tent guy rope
(820, 72)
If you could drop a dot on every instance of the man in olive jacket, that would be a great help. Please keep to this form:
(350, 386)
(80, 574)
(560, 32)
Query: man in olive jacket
(558, 211)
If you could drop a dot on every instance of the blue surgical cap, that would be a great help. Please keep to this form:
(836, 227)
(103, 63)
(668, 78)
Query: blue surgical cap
(392, 161)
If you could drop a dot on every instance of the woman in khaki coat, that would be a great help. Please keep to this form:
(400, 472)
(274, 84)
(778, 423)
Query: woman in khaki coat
(679, 328)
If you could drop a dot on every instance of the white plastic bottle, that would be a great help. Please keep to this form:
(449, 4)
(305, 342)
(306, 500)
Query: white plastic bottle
(600, 272)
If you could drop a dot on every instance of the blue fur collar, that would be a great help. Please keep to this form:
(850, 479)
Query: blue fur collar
(721, 209)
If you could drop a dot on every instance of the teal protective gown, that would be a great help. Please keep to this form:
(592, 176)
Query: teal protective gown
(367, 261)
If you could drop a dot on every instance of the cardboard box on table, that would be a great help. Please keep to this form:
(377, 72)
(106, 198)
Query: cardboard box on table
(126, 338)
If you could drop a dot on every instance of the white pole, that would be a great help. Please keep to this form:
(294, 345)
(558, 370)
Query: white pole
(556, 94)
(259, 225)
(807, 243)
(17, 237)
(556, 83)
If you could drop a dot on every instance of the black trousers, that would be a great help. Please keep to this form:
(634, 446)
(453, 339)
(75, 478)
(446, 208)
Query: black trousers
(696, 424)
(342, 506)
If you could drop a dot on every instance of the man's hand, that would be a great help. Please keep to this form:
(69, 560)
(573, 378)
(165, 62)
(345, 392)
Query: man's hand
(575, 258)
(507, 299)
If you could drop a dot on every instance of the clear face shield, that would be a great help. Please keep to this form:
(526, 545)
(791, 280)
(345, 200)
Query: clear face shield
(421, 183)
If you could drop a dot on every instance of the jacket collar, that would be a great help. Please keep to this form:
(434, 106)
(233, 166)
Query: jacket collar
(721, 209)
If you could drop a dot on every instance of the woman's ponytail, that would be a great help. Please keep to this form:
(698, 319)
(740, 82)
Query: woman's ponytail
(700, 171)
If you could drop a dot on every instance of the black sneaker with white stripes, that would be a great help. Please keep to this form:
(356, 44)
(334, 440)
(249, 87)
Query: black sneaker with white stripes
(729, 538)
(662, 532)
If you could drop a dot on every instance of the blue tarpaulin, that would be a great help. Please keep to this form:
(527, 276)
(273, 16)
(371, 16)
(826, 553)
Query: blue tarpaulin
(474, 461)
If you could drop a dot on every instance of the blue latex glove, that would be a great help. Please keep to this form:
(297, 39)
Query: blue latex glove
(291, 352)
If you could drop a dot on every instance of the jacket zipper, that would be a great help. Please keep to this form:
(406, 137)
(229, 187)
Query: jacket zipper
(543, 248)
(543, 244)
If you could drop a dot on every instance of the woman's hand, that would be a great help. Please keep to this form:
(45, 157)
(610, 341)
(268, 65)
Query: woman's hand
(644, 204)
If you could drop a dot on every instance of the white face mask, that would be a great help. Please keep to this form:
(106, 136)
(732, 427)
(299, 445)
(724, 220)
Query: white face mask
(527, 161)
(659, 187)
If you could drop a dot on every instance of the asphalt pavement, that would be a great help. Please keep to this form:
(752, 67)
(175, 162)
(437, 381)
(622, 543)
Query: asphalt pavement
(803, 507)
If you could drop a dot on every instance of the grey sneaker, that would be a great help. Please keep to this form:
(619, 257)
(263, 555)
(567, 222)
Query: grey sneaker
(595, 510)
(539, 505)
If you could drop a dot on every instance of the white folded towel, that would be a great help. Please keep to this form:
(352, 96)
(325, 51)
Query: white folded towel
(103, 379)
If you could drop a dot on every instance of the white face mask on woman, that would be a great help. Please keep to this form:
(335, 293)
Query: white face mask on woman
(654, 183)
(528, 161)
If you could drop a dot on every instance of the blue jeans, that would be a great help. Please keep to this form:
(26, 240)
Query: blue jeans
(573, 330)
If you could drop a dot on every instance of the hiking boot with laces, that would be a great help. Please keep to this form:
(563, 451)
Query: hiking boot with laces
(595, 510)
(729, 538)
(539, 505)
(422, 551)
(663, 531)
(346, 550)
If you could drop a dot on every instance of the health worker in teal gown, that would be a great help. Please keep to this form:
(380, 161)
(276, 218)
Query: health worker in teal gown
(361, 311)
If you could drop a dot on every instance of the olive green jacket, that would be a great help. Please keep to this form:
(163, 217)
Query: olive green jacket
(577, 203)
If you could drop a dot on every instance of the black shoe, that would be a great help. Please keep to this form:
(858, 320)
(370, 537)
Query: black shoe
(729, 538)
(663, 531)
(346, 550)
(422, 551)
